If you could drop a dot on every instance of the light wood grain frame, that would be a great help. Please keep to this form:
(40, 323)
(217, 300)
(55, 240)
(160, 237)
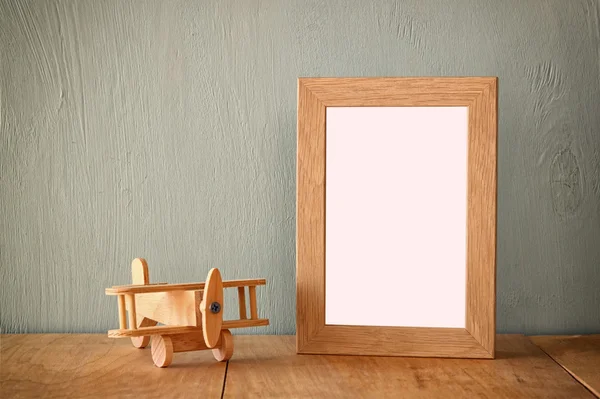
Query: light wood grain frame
(313, 336)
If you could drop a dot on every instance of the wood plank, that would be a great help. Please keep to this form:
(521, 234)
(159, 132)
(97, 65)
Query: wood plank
(131, 312)
(169, 330)
(253, 307)
(310, 216)
(178, 308)
(228, 324)
(395, 341)
(579, 355)
(193, 341)
(242, 302)
(137, 285)
(481, 213)
(122, 312)
(395, 92)
(155, 330)
(92, 365)
(140, 289)
(267, 366)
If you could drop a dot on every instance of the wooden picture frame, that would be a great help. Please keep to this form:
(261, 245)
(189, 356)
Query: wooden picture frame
(314, 336)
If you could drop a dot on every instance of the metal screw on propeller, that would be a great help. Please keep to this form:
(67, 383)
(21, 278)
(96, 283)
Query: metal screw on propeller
(215, 307)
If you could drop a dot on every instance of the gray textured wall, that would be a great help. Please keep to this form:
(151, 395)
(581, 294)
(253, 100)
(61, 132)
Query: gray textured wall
(167, 130)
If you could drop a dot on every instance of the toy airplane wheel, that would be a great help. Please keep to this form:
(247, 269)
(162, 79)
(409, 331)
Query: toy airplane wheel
(225, 351)
(212, 308)
(162, 351)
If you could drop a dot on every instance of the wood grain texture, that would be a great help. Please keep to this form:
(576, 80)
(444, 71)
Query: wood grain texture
(161, 306)
(253, 305)
(131, 311)
(139, 272)
(224, 349)
(313, 336)
(136, 289)
(228, 324)
(92, 365)
(578, 355)
(162, 350)
(481, 215)
(395, 92)
(122, 311)
(55, 366)
(212, 321)
(188, 342)
(242, 302)
(168, 130)
(395, 341)
(310, 216)
(265, 366)
(152, 330)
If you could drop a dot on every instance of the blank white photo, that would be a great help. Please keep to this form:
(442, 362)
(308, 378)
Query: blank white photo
(396, 216)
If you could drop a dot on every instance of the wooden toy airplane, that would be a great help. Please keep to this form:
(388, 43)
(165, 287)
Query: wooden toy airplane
(192, 314)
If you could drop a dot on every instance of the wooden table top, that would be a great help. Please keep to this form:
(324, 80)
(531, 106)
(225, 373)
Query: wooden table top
(579, 355)
(268, 366)
(95, 366)
(92, 365)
